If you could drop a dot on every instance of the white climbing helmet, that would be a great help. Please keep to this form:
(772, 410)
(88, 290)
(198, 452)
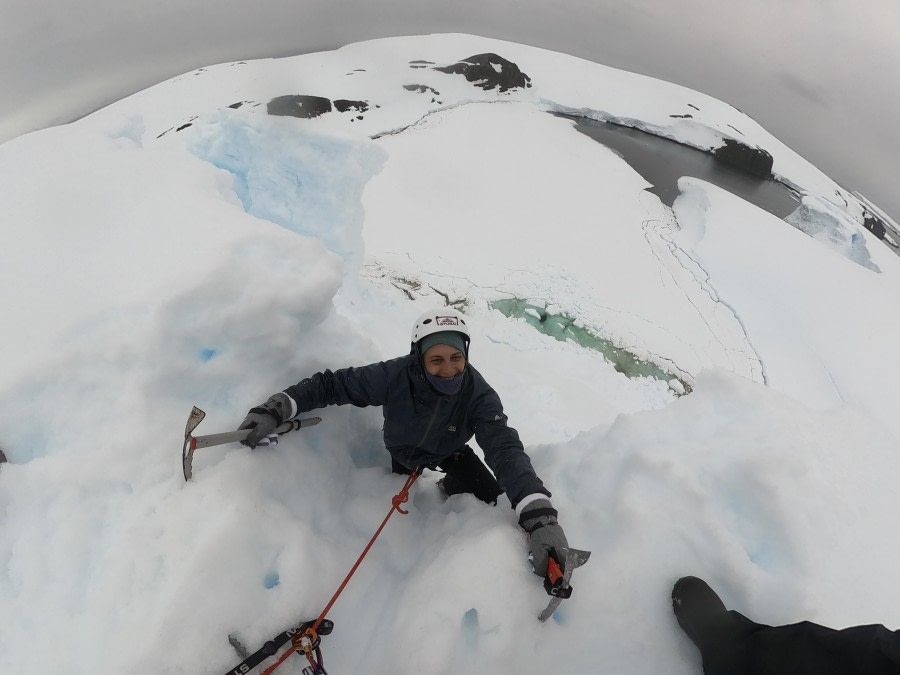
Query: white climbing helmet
(439, 321)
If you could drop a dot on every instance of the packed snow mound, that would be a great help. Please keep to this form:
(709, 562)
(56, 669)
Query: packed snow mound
(196, 245)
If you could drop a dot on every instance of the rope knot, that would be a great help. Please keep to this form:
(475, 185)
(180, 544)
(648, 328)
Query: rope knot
(398, 499)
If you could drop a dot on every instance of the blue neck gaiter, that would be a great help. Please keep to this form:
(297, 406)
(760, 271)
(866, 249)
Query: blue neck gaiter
(446, 385)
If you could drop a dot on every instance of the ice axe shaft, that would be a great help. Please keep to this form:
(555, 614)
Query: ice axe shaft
(237, 436)
(191, 443)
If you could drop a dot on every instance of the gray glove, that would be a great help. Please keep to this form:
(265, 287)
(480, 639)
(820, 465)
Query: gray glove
(264, 419)
(538, 519)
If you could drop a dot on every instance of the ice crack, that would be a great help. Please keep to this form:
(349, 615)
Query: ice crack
(689, 276)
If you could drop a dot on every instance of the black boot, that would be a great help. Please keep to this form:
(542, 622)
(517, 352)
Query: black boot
(699, 611)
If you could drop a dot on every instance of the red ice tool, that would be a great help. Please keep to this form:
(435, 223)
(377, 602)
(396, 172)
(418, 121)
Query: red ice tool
(556, 581)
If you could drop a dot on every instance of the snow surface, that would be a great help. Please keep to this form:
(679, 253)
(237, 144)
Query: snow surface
(146, 270)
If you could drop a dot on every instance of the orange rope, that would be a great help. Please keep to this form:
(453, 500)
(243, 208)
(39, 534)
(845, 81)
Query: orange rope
(400, 498)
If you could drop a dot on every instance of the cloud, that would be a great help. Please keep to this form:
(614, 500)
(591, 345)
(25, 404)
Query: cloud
(803, 88)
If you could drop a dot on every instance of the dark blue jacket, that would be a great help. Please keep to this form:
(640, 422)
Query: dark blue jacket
(422, 427)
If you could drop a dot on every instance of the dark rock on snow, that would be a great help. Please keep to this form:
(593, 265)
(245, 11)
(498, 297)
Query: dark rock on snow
(874, 224)
(489, 71)
(343, 105)
(752, 160)
(299, 105)
(304, 106)
(421, 89)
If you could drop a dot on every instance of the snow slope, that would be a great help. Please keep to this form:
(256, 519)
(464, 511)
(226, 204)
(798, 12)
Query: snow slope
(178, 249)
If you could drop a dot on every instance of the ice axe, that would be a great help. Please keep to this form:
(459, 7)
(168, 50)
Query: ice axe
(556, 582)
(191, 443)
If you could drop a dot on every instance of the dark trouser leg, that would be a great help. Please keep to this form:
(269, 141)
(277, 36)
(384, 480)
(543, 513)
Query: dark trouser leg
(466, 473)
(748, 648)
(397, 467)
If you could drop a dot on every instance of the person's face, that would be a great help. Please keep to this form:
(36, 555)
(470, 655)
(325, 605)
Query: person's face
(444, 361)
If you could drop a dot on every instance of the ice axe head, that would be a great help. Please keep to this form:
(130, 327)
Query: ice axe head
(187, 452)
(192, 443)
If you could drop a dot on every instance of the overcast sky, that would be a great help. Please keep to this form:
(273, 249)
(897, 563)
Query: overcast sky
(822, 75)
